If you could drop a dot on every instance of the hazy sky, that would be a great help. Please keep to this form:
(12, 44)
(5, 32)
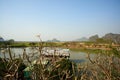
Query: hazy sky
(61, 19)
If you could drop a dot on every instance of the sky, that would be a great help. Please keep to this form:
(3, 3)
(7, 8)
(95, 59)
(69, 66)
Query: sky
(65, 20)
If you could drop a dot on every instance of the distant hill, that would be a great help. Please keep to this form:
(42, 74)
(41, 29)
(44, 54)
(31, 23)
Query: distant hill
(53, 40)
(113, 37)
(93, 38)
(1, 39)
(107, 37)
(82, 39)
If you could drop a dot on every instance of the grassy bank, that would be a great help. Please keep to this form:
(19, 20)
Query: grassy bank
(86, 50)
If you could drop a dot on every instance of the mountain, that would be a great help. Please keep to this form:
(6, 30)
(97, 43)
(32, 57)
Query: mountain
(93, 38)
(113, 37)
(1, 39)
(53, 40)
(109, 37)
(82, 39)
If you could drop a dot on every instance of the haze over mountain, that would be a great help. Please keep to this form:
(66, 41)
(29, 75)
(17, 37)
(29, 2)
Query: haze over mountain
(1, 39)
(113, 37)
(93, 38)
(53, 40)
(108, 37)
(81, 39)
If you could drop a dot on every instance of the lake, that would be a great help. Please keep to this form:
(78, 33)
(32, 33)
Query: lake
(76, 56)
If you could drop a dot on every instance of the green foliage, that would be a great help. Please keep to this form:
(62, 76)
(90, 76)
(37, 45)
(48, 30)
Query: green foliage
(65, 64)
(3, 69)
(32, 44)
(115, 52)
(60, 70)
(20, 44)
(64, 69)
(101, 40)
(10, 67)
(21, 67)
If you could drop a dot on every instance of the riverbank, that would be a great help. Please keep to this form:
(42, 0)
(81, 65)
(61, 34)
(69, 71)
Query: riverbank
(90, 47)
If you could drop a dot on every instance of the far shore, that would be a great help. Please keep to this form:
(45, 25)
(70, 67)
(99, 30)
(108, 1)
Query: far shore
(89, 47)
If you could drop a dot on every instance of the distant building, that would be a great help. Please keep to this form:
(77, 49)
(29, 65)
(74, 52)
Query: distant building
(1, 39)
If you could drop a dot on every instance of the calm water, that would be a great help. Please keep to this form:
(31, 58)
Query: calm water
(79, 57)
(74, 56)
